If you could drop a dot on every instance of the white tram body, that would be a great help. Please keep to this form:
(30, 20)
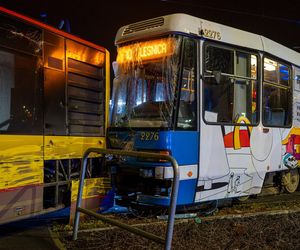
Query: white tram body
(247, 107)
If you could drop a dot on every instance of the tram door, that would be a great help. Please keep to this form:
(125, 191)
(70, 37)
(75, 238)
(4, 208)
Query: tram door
(267, 140)
(231, 111)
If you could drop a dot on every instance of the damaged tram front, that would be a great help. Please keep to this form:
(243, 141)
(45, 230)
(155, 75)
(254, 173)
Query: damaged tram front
(223, 102)
(154, 110)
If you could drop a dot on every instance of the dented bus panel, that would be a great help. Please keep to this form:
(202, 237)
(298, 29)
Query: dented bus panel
(54, 96)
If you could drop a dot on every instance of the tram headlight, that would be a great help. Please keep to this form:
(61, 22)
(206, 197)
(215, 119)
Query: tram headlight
(146, 173)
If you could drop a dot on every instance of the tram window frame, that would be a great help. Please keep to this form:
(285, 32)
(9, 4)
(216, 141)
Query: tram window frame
(233, 78)
(188, 73)
(289, 88)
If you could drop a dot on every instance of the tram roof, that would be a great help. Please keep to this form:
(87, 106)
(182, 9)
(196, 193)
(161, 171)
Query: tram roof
(183, 23)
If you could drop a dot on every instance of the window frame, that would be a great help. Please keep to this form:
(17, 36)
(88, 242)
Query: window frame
(277, 85)
(35, 53)
(173, 119)
(234, 77)
(180, 82)
(37, 87)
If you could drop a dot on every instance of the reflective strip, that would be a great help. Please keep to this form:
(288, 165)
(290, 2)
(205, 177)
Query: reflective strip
(187, 172)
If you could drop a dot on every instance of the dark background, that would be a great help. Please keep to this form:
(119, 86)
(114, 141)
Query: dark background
(98, 20)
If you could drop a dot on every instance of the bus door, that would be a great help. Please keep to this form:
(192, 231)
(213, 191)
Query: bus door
(21, 140)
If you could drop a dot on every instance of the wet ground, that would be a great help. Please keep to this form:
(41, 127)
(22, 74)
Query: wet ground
(34, 233)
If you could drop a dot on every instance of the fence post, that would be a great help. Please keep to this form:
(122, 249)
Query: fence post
(173, 200)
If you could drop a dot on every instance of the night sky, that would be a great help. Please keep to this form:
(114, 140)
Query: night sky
(98, 20)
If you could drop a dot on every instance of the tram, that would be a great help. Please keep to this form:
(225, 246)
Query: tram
(54, 94)
(225, 103)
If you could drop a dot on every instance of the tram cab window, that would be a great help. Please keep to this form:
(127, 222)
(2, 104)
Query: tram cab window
(230, 86)
(277, 108)
(187, 112)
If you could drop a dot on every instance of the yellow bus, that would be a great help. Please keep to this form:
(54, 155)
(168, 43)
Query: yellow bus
(54, 94)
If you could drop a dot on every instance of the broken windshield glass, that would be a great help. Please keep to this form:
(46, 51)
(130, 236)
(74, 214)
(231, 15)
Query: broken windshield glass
(145, 84)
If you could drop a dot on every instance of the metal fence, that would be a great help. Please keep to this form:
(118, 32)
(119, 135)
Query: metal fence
(167, 241)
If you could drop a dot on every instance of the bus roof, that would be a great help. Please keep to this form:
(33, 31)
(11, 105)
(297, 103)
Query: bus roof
(183, 23)
(50, 28)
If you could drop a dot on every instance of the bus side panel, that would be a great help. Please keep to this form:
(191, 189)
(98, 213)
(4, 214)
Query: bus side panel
(66, 147)
(94, 193)
(21, 176)
(21, 202)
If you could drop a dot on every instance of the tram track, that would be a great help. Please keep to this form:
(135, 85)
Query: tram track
(255, 231)
(265, 204)
(264, 209)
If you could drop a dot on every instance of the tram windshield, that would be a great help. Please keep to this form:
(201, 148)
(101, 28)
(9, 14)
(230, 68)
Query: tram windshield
(145, 83)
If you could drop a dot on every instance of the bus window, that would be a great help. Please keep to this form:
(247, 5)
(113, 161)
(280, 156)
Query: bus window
(6, 84)
(187, 112)
(230, 86)
(20, 36)
(20, 97)
(276, 91)
(20, 87)
(54, 84)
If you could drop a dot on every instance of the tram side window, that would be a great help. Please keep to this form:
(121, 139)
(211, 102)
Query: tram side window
(187, 113)
(277, 106)
(230, 86)
(20, 94)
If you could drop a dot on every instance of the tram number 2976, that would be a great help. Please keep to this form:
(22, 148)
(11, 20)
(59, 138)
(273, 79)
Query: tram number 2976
(211, 34)
(149, 136)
